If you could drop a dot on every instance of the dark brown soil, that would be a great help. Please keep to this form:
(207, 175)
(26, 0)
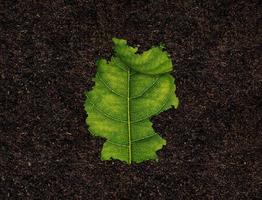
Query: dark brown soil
(47, 60)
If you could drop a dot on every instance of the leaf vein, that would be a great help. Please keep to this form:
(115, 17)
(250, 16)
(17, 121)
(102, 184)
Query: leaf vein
(108, 87)
(133, 141)
(152, 113)
(104, 113)
(144, 138)
(147, 89)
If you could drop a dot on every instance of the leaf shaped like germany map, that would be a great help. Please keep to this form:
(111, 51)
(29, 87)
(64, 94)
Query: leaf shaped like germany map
(130, 89)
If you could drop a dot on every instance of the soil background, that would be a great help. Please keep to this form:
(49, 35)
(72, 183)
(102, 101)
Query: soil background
(48, 51)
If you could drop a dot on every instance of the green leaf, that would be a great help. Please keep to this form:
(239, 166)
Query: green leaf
(130, 89)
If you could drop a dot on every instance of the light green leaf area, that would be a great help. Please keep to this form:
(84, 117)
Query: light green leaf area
(130, 89)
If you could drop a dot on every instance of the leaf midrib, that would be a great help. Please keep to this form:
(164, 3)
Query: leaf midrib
(129, 118)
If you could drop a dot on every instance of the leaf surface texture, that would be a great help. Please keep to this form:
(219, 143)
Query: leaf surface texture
(130, 89)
